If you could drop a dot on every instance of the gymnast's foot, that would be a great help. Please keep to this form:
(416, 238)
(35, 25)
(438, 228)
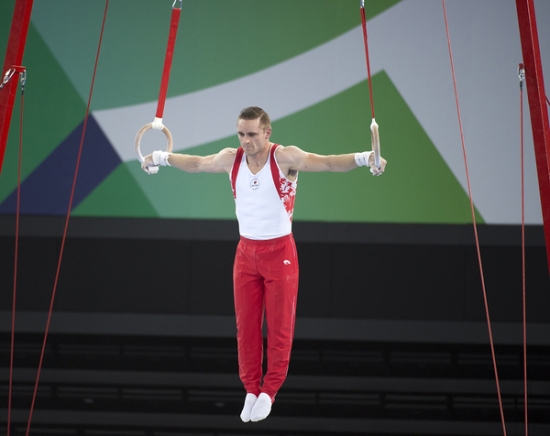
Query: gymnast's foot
(261, 408)
(248, 405)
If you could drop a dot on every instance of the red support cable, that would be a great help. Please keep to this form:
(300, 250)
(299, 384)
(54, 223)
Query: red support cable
(14, 56)
(476, 235)
(537, 106)
(67, 219)
(521, 71)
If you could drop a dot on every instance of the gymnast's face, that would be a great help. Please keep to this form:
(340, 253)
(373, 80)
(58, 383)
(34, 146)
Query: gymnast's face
(253, 138)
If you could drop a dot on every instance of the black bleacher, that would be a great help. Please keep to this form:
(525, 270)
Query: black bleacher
(151, 386)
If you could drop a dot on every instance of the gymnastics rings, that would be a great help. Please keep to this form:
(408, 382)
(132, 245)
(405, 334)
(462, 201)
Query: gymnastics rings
(375, 142)
(169, 145)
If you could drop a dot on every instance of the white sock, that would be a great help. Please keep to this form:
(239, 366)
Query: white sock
(249, 401)
(261, 408)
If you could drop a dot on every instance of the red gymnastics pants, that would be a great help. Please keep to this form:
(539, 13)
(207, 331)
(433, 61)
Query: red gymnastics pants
(265, 278)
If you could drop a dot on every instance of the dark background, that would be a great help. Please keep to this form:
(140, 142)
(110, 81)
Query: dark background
(391, 335)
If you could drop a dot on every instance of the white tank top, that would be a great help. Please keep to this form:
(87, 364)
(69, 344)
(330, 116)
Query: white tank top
(264, 202)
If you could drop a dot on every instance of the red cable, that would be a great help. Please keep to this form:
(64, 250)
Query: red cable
(16, 257)
(523, 274)
(365, 39)
(168, 61)
(67, 221)
(474, 223)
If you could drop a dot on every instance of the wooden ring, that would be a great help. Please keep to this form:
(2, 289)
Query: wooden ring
(169, 145)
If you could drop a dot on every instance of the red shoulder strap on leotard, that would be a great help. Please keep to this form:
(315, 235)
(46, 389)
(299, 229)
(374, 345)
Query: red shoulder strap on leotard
(235, 169)
(275, 170)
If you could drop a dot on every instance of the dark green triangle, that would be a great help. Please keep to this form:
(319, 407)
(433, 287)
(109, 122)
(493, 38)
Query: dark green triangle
(117, 196)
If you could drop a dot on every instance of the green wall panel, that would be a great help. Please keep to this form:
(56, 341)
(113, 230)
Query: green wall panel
(417, 187)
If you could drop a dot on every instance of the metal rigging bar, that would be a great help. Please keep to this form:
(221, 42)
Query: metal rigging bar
(14, 56)
(537, 106)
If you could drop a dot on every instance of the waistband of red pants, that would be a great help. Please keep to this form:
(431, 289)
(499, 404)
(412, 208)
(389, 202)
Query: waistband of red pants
(264, 242)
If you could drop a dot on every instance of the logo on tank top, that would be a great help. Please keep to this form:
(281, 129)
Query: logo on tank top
(255, 184)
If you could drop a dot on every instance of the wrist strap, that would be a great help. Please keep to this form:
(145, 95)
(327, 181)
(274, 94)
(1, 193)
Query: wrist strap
(362, 159)
(161, 158)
